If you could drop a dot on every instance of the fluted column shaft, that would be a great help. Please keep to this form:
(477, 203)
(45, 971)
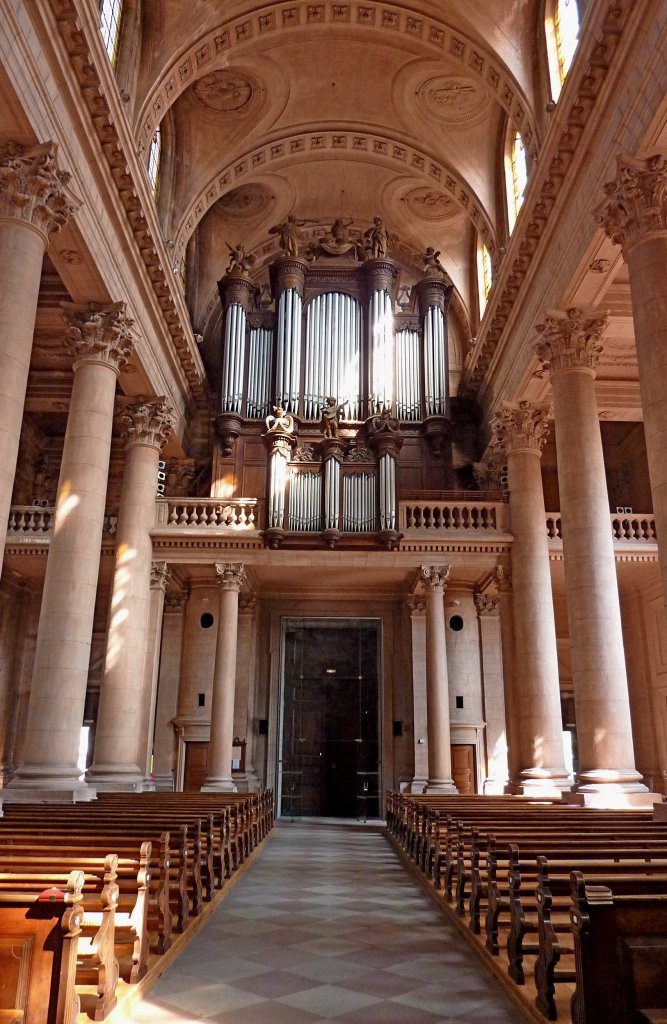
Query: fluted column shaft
(521, 431)
(100, 337)
(570, 347)
(513, 732)
(118, 743)
(33, 204)
(164, 744)
(219, 777)
(437, 683)
(160, 575)
(635, 216)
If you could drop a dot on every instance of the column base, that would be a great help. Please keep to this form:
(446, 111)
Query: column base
(441, 786)
(110, 779)
(549, 783)
(215, 785)
(417, 785)
(164, 783)
(614, 788)
(55, 784)
(247, 782)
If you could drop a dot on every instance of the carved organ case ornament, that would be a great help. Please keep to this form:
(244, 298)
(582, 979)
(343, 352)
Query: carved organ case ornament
(333, 378)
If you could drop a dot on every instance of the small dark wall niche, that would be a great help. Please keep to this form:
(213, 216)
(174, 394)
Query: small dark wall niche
(263, 726)
(456, 623)
(459, 701)
(206, 621)
(397, 729)
(201, 700)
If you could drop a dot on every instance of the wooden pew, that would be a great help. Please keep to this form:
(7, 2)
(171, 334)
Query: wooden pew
(39, 933)
(620, 949)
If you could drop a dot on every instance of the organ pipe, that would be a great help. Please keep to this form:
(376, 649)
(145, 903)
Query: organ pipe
(288, 350)
(359, 500)
(380, 351)
(234, 357)
(277, 480)
(259, 373)
(435, 357)
(387, 492)
(408, 386)
(305, 502)
(333, 341)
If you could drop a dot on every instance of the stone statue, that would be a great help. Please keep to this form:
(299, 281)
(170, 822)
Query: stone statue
(376, 240)
(240, 262)
(338, 241)
(331, 416)
(289, 235)
(432, 265)
(280, 421)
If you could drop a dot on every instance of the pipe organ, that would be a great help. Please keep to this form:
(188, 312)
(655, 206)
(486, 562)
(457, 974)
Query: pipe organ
(336, 357)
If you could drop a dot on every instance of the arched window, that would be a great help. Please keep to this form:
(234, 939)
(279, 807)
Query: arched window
(110, 26)
(484, 276)
(562, 30)
(516, 176)
(154, 153)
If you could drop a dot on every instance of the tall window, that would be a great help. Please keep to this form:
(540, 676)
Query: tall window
(484, 276)
(516, 174)
(154, 154)
(110, 26)
(562, 30)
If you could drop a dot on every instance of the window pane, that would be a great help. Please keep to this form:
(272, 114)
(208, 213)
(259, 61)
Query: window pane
(567, 34)
(110, 26)
(519, 171)
(154, 161)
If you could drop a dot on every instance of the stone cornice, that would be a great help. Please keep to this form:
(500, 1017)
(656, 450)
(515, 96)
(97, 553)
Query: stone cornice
(563, 143)
(520, 427)
(636, 203)
(108, 120)
(33, 189)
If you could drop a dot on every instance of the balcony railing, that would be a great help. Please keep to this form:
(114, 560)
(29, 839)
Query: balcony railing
(36, 522)
(447, 516)
(210, 513)
(640, 527)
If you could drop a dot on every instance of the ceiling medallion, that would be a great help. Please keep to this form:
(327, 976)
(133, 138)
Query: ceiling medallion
(453, 98)
(226, 92)
(428, 204)
(245, 201)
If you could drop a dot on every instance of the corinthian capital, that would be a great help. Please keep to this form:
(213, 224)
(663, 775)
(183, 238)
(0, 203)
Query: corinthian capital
(160, 575)
(435, 576)
(230, 576)
(99, 331)
(32, 189)
(570, 339)
(147, 421)
(486, 605)
(636, 200)
(520, 427)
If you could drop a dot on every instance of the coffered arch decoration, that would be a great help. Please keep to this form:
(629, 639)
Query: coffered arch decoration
(388, 22)
(357, 145)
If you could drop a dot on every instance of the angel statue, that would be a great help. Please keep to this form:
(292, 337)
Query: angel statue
(289, 235)
(330, 417)
(240, 262)
(432, 265)
(279, 421)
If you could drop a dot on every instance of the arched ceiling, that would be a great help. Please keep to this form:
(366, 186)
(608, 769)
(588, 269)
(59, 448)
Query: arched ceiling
(335, 109)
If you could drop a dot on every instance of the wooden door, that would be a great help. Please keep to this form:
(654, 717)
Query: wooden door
(463, 767)
(196, 765)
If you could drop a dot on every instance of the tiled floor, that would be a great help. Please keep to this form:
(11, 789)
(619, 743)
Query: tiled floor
(327, 925)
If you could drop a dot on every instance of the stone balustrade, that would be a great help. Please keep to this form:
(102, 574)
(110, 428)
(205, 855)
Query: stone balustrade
(437, 517)
(34, 522)
(211, 513)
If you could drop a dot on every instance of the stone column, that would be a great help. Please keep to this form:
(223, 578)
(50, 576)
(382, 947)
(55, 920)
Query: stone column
(100, 336)
(417, 606)
(634, 215)
(520, 430)
(245, 689)
(33, 204)
(569, 347)
(164, 741)
(160, 576)
(119, 742)
(437, 684)
(506, 613)
(231, 578)
(493, 693)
